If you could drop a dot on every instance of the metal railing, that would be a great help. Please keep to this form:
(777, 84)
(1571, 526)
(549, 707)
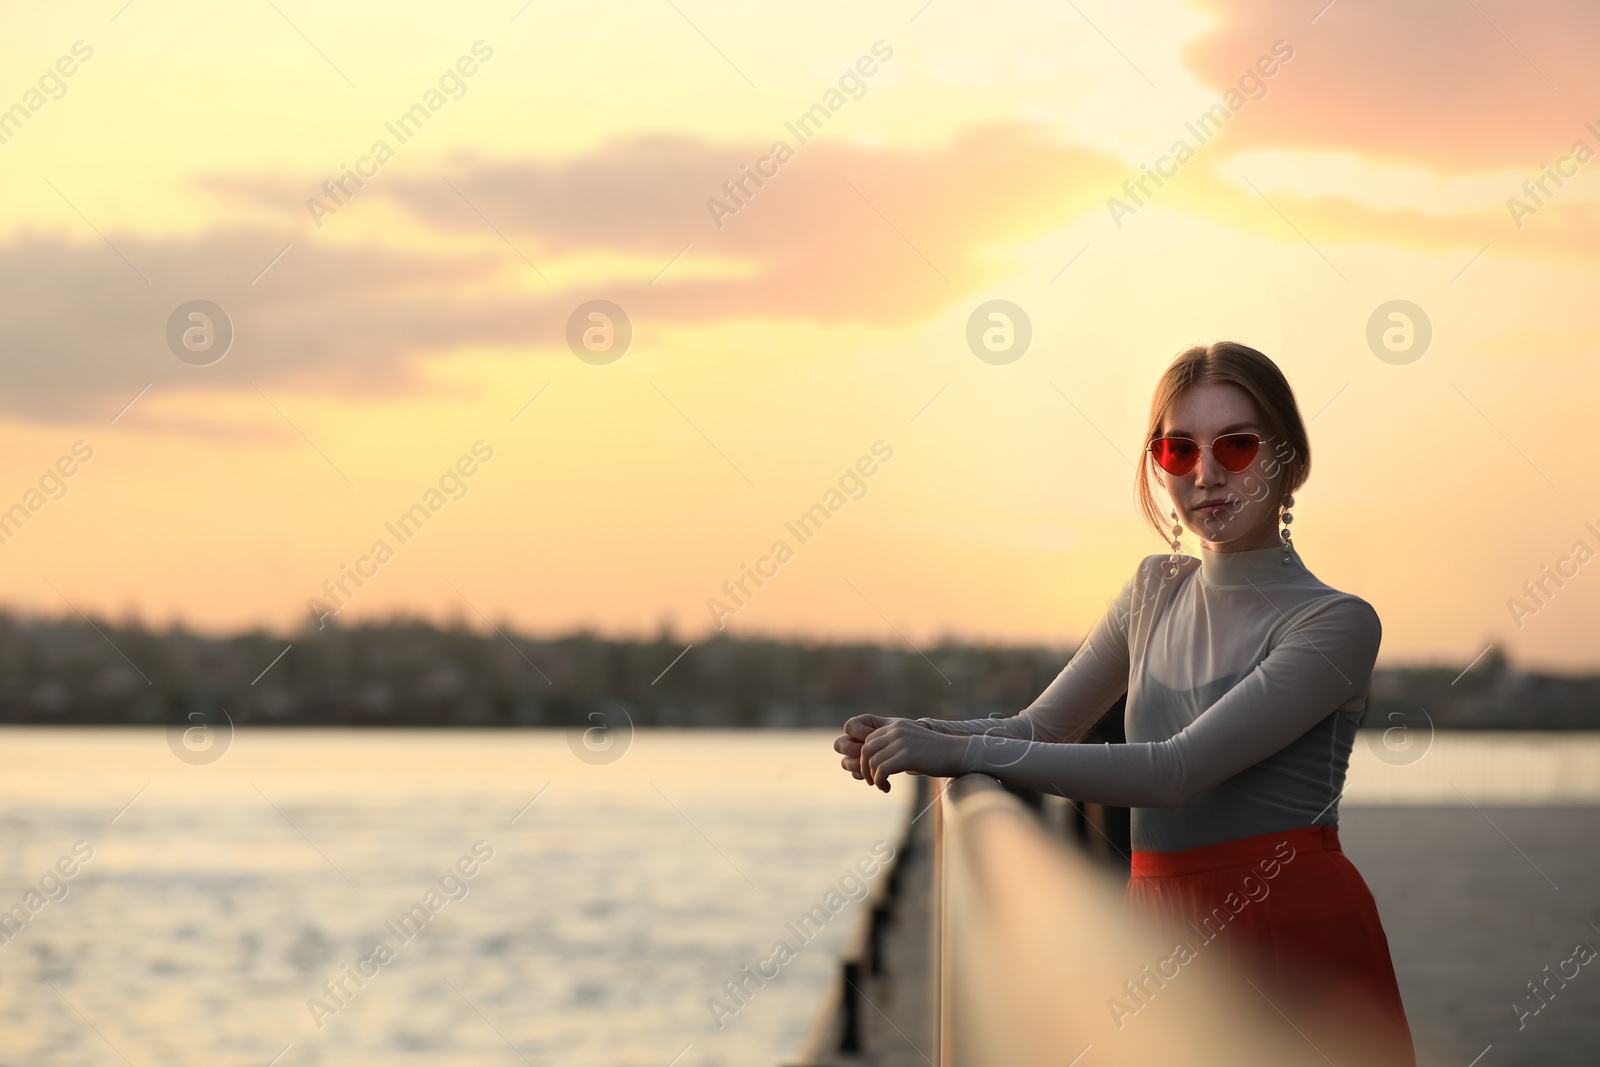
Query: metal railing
(838, 1032)
(1035, 948)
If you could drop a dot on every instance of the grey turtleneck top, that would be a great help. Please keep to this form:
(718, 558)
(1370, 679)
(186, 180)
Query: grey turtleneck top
(1246, 680)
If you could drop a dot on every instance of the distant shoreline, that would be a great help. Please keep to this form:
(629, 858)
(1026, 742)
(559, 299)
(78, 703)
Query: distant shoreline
(414, 674)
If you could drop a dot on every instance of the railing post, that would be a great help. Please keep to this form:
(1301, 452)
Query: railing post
(850, 998)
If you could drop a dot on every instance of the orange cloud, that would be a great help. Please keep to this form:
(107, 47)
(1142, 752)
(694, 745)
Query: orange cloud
(842, 233)
(1448, 86)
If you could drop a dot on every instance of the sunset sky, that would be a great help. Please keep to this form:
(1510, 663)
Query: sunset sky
(378, 338)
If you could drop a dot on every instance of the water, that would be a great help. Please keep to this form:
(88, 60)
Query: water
(1473, 767)
(218, 902)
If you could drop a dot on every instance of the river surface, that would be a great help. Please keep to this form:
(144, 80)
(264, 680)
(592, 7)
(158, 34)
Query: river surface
(230, 912)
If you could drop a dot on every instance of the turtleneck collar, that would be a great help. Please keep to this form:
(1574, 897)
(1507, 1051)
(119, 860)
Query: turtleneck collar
(1256, 567)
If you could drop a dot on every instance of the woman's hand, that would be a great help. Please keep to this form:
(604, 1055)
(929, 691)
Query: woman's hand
(856, 732)
(892, 746)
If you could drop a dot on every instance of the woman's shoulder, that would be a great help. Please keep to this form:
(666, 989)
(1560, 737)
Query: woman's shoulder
(1158, 568)
(1328, 606)
(1154, 576)
(1320, 593)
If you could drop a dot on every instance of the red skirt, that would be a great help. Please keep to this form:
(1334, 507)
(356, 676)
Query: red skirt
(1289, 911)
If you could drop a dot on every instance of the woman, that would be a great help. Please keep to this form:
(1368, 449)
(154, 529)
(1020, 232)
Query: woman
(1246, 679)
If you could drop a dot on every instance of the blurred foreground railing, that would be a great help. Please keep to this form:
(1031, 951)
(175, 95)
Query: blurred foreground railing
(881, 978)
(1033, 946)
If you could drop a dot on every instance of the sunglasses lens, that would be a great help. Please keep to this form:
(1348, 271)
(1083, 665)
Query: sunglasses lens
(1235, 451)
(1177, 455)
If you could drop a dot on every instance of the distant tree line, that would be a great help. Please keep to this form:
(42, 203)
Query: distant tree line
(413, 673)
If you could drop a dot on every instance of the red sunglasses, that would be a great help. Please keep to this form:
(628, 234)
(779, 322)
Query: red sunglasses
(1178, 455)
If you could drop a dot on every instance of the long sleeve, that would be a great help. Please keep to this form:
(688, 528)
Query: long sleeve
(1073, 702)
(1322, 658)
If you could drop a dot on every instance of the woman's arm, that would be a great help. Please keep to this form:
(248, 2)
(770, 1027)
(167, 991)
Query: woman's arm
(1073, 702)
(1070, 705)
(1324, 659)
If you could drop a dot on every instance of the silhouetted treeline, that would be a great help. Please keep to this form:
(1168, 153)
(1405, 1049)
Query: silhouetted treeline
(414, 673)
(1491, 695)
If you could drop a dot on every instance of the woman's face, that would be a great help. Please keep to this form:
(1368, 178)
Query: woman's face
(1230, 511)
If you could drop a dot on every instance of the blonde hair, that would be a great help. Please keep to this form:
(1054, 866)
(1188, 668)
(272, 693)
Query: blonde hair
(1230, 363)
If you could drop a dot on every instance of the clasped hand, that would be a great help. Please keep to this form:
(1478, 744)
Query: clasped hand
(875, 747)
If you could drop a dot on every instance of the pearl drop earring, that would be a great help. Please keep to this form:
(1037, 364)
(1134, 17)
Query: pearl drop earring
(1177, 531)
(1287, 518)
